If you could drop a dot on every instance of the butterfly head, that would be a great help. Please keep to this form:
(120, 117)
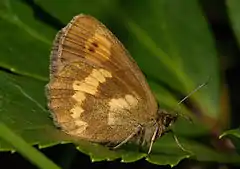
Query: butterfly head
(166, 120)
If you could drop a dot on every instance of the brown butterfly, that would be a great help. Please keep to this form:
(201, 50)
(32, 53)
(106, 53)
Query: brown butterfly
(96, 90)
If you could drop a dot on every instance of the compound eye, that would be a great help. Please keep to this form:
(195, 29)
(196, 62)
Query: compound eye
(168, 121)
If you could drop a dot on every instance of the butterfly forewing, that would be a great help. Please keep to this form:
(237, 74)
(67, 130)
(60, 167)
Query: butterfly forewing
(96, 91)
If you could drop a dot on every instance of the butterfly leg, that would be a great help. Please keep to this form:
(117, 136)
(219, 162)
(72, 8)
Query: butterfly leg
(138, 129)
(153, 139)
(178, 143)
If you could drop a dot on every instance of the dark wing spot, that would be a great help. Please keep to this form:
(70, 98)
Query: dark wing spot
(91, 49)
(95, 44)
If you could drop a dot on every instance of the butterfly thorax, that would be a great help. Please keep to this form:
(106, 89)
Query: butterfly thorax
(155, 128)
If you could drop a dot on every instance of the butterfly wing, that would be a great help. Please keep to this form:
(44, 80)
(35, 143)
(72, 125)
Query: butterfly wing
(96, 90)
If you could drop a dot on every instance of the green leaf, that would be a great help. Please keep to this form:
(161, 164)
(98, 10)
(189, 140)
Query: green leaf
(169, 40)
(234, 15)
(233, 132)
(25, 149)
(24, 95)
(25, 40)
(234, 136)
(23, 110)
(168, 152)
(102, 8)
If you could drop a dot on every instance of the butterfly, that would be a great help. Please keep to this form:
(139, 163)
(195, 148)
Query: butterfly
(96, 90)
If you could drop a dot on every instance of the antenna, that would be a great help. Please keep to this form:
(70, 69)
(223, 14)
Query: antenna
(190, 94)
(185, 116)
